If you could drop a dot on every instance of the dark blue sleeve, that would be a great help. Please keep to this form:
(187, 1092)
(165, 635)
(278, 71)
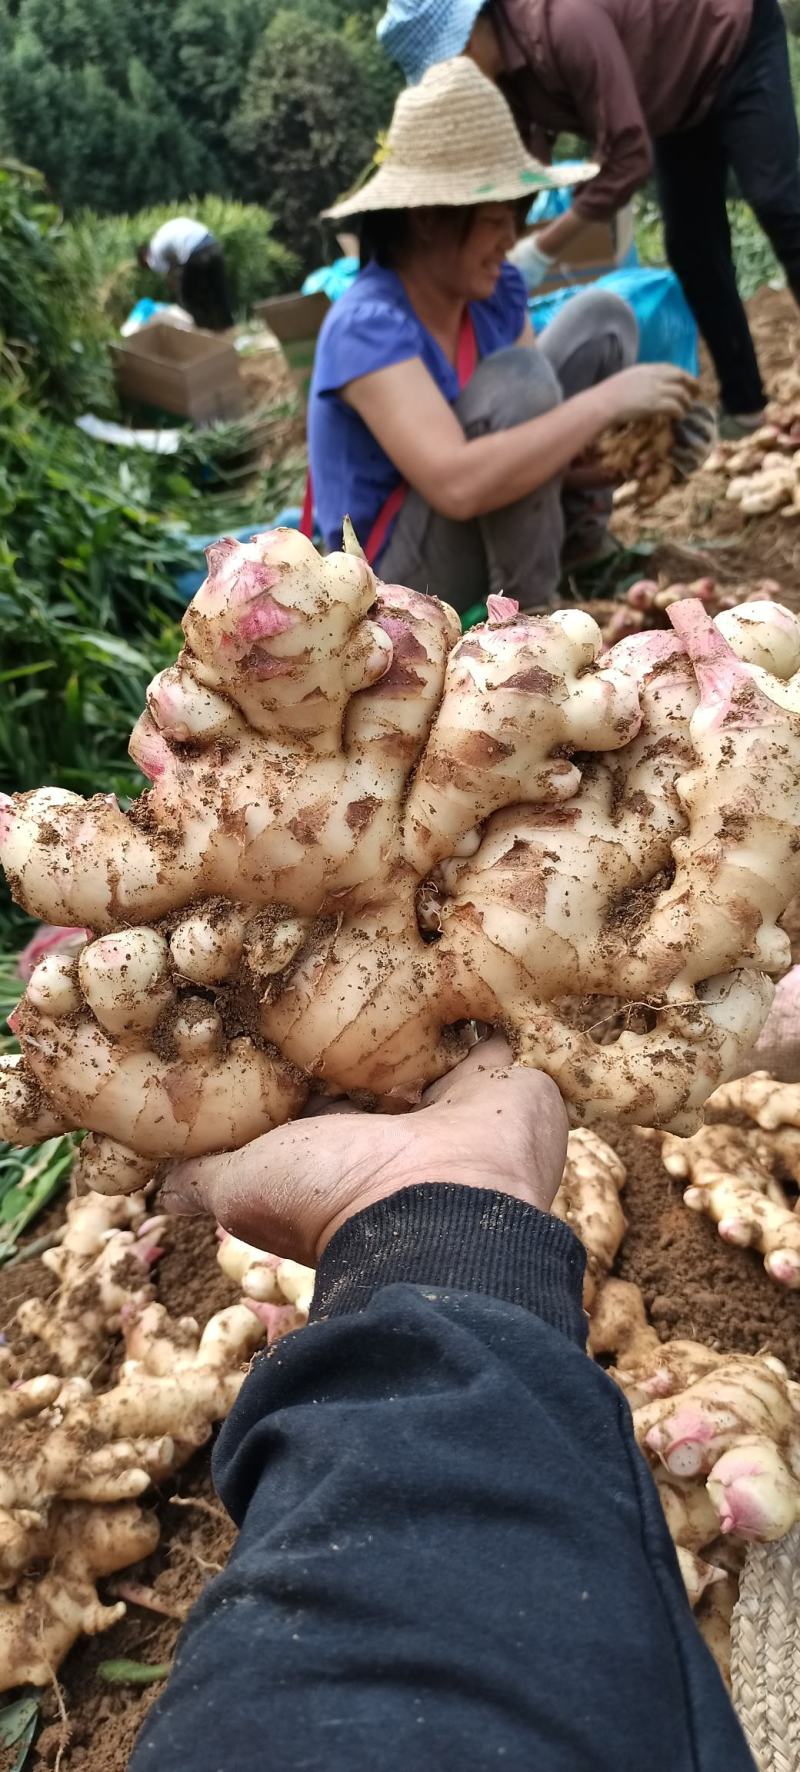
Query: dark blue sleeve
(452, 1557)
(360, 337)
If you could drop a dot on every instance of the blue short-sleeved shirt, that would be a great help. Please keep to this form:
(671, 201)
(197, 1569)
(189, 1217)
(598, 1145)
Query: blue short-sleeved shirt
(372, 327)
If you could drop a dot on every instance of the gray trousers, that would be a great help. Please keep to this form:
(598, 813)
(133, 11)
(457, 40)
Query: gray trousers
(518, 548)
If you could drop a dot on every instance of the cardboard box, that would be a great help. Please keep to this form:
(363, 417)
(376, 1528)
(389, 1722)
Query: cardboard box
(599, 248)
(295, 321)
(186, 371)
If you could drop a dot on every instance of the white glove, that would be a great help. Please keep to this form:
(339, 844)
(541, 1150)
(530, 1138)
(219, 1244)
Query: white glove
(534, 264)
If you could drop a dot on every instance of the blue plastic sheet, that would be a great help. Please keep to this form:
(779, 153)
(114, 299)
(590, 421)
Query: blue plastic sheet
(667, 329)
(144, 310)
(334, 280)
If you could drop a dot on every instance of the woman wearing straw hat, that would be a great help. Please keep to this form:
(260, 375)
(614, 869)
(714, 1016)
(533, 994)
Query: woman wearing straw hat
(434, 421)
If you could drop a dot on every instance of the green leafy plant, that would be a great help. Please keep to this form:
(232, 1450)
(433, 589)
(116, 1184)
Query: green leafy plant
(301, 137)
(754, 258)
(85, 94)
(51, 328)
(88, 604)
(18, 1723)
(29, 1180)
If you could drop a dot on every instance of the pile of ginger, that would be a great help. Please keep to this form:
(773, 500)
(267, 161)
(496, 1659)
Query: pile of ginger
(79, 1455)
(745, 1177)
(720, 1431)
(763, 469)
(645, 603)
(640, 455)
(363, 834)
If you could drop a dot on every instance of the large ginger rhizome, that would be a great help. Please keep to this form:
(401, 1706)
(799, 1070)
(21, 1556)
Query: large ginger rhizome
(364, 832)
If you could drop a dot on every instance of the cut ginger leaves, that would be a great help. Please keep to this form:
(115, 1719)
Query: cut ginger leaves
(363, 833)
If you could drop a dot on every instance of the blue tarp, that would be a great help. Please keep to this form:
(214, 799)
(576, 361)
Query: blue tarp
(550, 204)
(144, 310)
(667, 330)
(333, 279)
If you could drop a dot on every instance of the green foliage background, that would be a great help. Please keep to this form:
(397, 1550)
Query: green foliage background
(125, 104)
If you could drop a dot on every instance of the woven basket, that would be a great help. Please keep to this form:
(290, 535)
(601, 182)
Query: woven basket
(765, 1653)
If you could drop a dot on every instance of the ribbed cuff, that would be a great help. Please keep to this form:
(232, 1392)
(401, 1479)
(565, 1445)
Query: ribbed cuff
(462, 1239)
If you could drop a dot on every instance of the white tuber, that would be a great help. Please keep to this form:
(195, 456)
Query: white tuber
(364, 834)
(734, 1181)
(49, 1612)
(278, 1291)
(103, 1265)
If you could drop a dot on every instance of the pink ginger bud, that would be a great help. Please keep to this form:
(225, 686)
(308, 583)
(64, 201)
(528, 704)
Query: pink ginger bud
(501, 609)
(49, 938)
(640, 595)
(753, 1491)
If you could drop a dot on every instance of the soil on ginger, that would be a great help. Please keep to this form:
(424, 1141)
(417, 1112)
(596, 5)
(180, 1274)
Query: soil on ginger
(103, 1720)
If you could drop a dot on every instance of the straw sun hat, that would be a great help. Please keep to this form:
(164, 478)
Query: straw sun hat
(453, 141)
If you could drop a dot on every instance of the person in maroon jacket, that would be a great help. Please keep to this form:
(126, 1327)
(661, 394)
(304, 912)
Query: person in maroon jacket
(693, 88)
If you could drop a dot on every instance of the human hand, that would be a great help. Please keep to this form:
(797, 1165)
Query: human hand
(650, 388)
(489, 1124)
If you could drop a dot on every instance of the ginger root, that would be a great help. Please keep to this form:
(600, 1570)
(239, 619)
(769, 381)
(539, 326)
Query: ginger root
(73, 1464)
(721, 1433)
(763, 470)
(646, 603)
(48, 1613)
(588, 1200)
(102, 1264)
(735, 1181)
(278, 1291)
(361, 836)
(713, 1618)
(640, 454)
(769, 1103)
(61, 1442)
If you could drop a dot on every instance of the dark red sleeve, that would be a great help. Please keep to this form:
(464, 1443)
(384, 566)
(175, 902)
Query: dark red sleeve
(595, 71)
